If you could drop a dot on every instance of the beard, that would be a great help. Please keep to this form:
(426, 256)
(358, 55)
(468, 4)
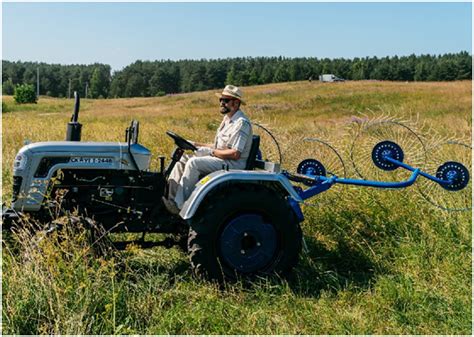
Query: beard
(224, 110)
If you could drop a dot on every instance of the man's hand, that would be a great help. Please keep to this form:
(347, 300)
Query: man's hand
(203, 151)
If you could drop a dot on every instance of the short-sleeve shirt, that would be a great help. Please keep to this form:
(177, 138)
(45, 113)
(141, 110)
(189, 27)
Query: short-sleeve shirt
(235, 133)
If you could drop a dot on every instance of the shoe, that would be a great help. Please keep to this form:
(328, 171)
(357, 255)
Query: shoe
(171, 206)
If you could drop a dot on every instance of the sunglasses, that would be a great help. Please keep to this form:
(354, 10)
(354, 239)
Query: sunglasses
(225, 100)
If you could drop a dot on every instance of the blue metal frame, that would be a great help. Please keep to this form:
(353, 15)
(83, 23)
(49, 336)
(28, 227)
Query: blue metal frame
(423, 174)
(322, 183)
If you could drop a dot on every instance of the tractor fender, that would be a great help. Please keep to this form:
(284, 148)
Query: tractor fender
(216, 179)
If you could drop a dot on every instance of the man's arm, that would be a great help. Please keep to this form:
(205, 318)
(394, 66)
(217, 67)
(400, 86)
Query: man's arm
(201, 144)
(226, 154)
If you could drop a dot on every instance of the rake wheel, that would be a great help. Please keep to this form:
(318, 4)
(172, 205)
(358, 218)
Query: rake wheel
(328, 156)
(376, 137)
(318, 157)
(390, 149)
(445, 159)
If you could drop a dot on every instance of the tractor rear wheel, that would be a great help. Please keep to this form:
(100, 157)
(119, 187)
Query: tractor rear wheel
(244, 231)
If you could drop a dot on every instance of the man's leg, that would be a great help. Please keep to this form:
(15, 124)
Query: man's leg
(175, 176)
(173, 183)
(194, 168)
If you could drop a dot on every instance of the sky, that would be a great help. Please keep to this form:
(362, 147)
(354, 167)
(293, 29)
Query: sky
(118, 34)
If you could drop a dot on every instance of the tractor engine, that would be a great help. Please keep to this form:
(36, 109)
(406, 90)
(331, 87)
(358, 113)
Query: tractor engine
(113, 197)
(111, 181)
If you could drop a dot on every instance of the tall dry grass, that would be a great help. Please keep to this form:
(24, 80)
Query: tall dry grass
(377, 261)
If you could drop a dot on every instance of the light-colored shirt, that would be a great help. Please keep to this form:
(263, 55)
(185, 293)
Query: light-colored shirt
(235, 133)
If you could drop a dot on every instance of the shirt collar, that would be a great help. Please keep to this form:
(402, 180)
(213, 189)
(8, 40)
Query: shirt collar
(237, 115)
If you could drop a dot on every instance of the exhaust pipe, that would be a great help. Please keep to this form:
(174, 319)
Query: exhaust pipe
(74, 127)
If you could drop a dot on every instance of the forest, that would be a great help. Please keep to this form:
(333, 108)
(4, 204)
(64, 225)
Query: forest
(162, 77)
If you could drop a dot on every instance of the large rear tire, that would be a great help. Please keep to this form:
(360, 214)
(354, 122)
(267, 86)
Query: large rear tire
(243, 231)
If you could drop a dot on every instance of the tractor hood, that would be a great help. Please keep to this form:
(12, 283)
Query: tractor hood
(85, 154)
(80, 147)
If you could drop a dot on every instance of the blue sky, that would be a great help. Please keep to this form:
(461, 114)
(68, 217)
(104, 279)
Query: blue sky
(121, 33)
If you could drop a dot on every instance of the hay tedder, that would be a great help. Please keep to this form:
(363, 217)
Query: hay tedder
(236, 223)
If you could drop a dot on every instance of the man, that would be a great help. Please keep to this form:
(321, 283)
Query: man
(231, 148)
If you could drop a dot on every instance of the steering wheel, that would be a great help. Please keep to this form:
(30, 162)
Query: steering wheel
(181, 142)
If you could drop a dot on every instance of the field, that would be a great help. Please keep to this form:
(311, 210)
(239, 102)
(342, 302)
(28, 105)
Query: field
(378, 262)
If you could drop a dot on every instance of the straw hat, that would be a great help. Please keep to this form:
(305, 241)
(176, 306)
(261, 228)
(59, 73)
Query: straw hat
(231, 91)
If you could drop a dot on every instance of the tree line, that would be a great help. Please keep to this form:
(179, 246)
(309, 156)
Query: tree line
(58, 80)
(157, 78)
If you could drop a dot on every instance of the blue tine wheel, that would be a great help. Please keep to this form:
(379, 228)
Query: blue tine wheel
(311, 167)
(456, 157)
(375, 139)
(387, 149)
(455, 172)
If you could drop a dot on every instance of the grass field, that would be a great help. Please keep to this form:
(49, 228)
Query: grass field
(378, 262)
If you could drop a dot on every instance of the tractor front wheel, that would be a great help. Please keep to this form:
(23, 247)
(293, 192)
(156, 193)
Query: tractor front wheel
(243, 231)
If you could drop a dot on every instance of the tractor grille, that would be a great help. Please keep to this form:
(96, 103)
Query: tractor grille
(46, 164)
(17, 180)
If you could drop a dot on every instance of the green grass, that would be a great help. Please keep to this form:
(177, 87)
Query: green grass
(378, 262)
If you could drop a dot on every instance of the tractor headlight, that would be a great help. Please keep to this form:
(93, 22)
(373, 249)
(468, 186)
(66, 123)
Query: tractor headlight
(20, 162)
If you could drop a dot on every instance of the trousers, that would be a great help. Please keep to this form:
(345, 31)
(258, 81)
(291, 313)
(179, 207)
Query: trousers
(187, 172)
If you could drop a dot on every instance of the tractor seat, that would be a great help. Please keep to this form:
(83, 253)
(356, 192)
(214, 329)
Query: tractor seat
(253, 153)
